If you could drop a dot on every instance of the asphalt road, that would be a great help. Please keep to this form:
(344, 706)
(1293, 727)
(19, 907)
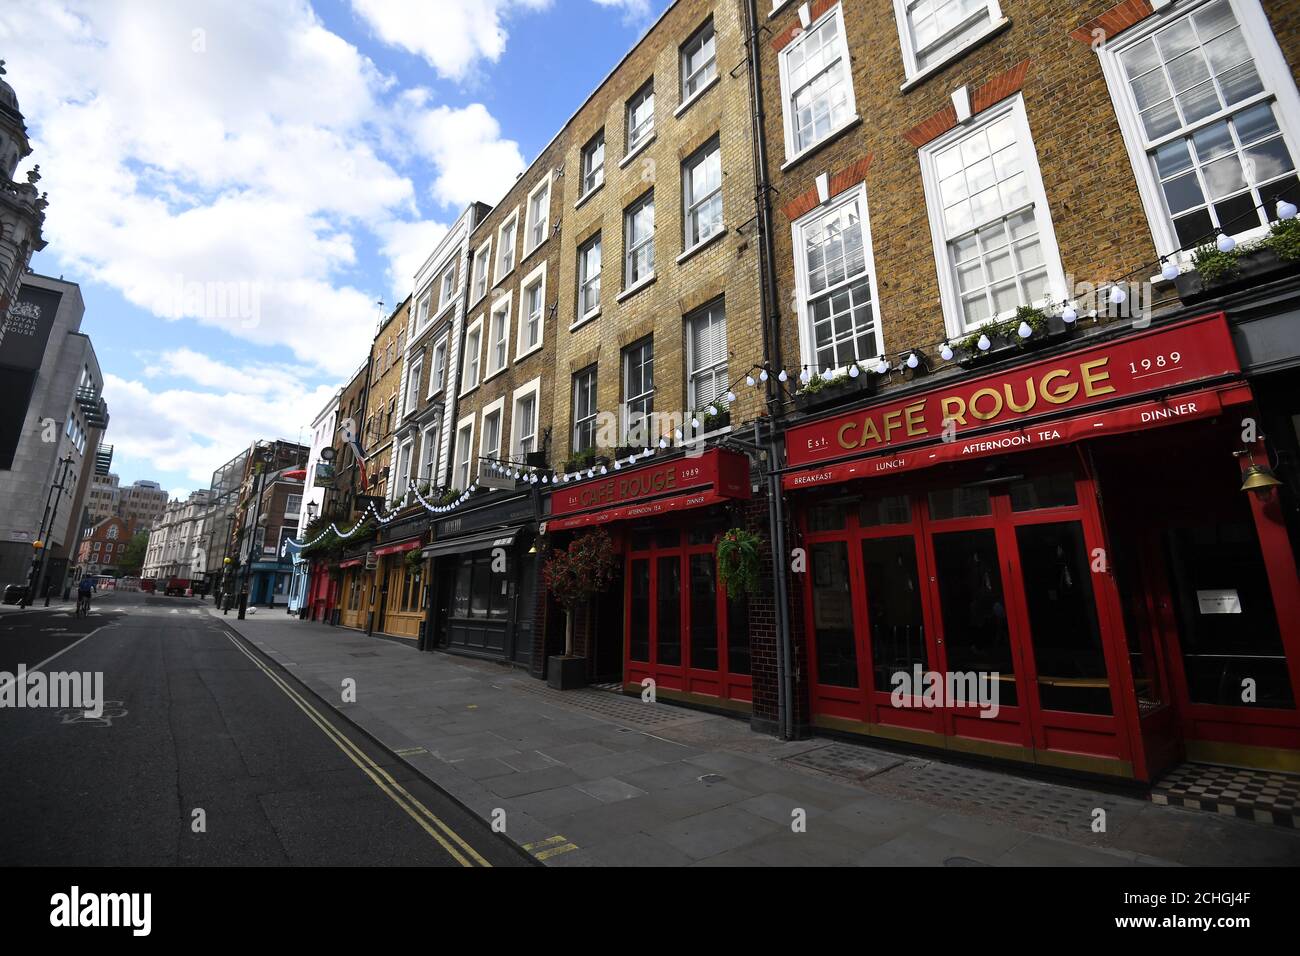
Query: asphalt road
(197, 720)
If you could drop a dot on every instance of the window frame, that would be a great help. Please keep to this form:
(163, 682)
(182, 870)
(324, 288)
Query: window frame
(465, 464)
(699, 158)
(588, 149)
(584, 280)
(807, 336)
(530, 226)
(787, 120)
(911, 54)
(446, 295)
(534, 279)
(683, 52)
(629, 249)
(688, 322)
(413, 384)
(422, 310)
(504, 341)
(625, 372)
(950, 296)
(510, 227)
(498, 409)
(577, 422)
(405, 455)
(1279, 88)
(484, 248)
(647, 91)
(426, 444)
(475, 329)
(533, 390)
(438, 382)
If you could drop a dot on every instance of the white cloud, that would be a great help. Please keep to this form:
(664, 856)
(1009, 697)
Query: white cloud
(473, 161)
(634, 11)
(451, 35)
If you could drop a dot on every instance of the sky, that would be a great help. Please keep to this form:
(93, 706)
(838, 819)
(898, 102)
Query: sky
(237, 186)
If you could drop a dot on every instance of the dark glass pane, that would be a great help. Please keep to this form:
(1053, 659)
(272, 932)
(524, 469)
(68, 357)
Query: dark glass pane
(1194, 229)
(1238, 213)
(960, 503)
(499, 599)
(1063, 618)
(639, 612)
(481, 593)
(975, 633)
(1287, 188)
(1044, 491)
(668, 633)
(668, 538)
(892, 509)
(703, 532)
(828, 517)
(704, 613)
(738, 636)
(1228, 626)
(640, 539)
(837, 657)
(893, 608)
(460, 600)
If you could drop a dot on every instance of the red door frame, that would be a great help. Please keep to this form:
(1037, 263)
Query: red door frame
(683, 677)
(1026, 724)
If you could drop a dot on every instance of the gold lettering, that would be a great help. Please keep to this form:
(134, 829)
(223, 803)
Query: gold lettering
(915, 415)
(869, 432)
(1031, 399)
(844, 430)
(997, 407)
(1061, 395)
(893, 421)
(954, 409)
(1090, 378)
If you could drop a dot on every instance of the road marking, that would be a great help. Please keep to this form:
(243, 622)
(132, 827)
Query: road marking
(551, 846)
(36, 667)
(382, 779)
(410, 751)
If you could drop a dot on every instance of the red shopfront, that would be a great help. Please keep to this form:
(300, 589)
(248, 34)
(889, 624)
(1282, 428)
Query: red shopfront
(676, 623)
(1079, 541)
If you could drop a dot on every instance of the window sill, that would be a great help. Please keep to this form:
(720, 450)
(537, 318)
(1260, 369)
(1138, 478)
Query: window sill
(778, 8)
(529, 253)
(636, 150)
(592, 317)
(582, 200)
(471, 390)
(702, 245)
(822, 143)
(491, 375)
(477, 300)
(502, 278)
(634, 289)
(989, 33)
(690, 101)
(519, 356)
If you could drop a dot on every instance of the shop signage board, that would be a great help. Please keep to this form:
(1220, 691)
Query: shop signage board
(727, 473)
(1130, 367)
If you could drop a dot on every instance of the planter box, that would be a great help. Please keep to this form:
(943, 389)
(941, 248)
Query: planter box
(843, 390)
(1253, 267)
(714, 422)
(566, 673)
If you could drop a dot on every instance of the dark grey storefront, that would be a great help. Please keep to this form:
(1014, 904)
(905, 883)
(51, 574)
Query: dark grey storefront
(485, 578)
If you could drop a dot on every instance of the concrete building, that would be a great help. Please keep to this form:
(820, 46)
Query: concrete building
(102, 501)
(143, 502)
(179, 545)
(51, 418)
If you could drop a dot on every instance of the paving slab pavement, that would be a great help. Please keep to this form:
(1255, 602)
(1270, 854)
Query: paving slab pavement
(593, 778)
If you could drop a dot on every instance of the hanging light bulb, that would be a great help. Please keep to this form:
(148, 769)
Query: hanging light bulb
(695, 423)
(591, 472)
(1069, 315)
(882, 366)
(1118, 295)
(946, 352)
(1226, 243)
(762, 376)
(984, 344)
(678, 433)
(853, 371)
(663, 443)
(646, 453)
(1170, 271)
(913, 361)
(713, 409)
(1024, 330)
(730, 397)
(618, 465)
(604, 470)
(1285, 210)
(783, 377)
(749, 380)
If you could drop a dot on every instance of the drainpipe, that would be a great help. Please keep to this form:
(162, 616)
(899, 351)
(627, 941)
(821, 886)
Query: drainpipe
(770, 305)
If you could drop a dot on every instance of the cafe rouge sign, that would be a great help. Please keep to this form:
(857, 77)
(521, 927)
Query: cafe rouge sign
(1152, 361)
(726, 472)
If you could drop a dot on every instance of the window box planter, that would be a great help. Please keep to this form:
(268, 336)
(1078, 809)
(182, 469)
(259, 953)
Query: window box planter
(843, 389)
(711, 423)
(1253, 266)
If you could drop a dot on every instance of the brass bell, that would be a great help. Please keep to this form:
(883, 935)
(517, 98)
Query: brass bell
(1258, 478)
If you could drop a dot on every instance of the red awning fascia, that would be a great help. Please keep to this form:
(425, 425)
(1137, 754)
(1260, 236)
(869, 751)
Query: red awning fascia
(349, 564)
(1144, 415)
(644, 509)
(398, 548)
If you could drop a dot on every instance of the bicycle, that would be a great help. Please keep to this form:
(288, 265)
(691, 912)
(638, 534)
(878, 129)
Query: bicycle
(83, 605)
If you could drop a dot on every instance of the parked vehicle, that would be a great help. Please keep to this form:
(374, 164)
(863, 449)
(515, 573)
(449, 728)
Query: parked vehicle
(14, 593)
(176, 587)
(149, 585)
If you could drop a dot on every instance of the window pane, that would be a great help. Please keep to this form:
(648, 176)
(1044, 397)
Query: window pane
(668, 638)
(833, 634)
(893, 608)
(704, 613)
(639, 611)
(976, 636)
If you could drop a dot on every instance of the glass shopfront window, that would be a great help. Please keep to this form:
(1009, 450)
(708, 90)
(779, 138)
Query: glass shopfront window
(837, 660)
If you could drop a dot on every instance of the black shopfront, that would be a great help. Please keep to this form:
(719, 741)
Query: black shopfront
(486, 574)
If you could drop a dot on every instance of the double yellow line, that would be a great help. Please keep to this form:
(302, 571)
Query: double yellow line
(447, 838)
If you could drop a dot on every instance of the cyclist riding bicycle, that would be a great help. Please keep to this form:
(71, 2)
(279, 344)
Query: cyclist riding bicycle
(84, 590)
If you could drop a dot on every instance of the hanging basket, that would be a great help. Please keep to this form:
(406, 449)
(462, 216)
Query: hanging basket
(739, 553)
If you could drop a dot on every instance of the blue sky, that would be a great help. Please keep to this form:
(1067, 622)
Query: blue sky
(234, 186)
